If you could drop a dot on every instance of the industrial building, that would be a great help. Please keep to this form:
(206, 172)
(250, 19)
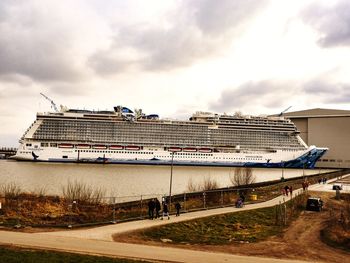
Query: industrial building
(325, 128)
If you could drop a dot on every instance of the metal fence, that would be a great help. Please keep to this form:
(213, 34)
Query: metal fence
(53, 211)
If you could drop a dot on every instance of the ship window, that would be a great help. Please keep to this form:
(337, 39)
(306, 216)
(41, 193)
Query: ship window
(64, 156)
(28, 144)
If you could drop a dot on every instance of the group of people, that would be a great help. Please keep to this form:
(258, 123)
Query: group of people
(287, 190)
(322, 180)
(154, 206)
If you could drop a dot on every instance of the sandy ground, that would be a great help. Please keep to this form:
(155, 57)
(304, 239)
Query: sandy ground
(301, 241)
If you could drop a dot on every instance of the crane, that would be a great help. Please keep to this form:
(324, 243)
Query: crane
(53, 105)
(284, 111)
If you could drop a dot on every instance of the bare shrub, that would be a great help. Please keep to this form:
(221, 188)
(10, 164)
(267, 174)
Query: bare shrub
(209, 184)
(192, 186)
(10, 190)
(78, 191)
(242, 176)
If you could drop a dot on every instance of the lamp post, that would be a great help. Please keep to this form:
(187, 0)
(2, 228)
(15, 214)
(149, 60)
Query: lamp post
(171, 178)
(282, 178)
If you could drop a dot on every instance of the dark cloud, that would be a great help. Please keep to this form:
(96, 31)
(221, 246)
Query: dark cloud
(196, 30)
(266, 93)
(34, 42)
(332, 22)
(16, 78)
(215, 18)
(318, 87)
(327, 91)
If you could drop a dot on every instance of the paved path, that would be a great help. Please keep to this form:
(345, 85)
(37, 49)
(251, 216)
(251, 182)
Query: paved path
(106, 232)
(98, 240)
(328, 187)
(107, 248)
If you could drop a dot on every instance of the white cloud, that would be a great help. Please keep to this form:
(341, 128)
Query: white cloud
(195, 30)
(171, 57)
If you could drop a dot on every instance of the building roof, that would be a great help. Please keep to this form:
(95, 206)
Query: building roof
(317, 112)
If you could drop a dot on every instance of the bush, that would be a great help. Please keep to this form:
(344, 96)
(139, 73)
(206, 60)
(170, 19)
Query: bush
(207, 184)
(242, 176)
(78, 191)
(10, 190)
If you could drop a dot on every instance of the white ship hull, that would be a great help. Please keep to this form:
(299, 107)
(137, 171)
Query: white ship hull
(280, 158)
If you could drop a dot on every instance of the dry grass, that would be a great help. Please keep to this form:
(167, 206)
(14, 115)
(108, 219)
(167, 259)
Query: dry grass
(337, 231)
(10, 190)
(78, 191)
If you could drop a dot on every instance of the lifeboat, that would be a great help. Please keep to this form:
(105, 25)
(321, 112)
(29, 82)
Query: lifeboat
(65, 145)
(205, 150)
(99, 147)
(174, 149)
(189, 149)
(82, 146)
(116, 147)
(132, 148)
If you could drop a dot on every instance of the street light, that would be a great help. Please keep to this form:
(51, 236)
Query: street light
(282, 178)
(171, 178)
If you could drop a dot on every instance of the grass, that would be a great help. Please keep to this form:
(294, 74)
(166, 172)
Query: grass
(244, 226)
(16, 255)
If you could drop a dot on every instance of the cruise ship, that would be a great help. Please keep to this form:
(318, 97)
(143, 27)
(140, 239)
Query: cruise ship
(123, 136)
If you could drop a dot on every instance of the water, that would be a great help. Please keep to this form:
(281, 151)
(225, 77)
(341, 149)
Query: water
(125, 180)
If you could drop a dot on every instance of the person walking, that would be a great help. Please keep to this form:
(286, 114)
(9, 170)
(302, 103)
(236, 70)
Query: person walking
(151, 206)
(157, 203)
(177, 207)
(165, 210)
(286, 188)
(291, 191)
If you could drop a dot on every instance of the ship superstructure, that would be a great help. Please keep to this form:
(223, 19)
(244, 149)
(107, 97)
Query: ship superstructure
(122, 136)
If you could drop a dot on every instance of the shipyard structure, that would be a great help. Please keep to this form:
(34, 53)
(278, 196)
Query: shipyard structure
(124, 136)
(328, 128)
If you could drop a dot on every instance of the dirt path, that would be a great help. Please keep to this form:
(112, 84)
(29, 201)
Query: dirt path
(301, 241)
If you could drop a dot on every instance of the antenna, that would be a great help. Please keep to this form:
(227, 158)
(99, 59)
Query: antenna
(284, 111)
(53, 105)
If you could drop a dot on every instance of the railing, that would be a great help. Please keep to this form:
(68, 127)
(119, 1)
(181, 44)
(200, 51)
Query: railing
(7, 149)
(54, 211)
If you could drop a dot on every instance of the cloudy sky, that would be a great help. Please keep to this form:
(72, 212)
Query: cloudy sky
(171, 57)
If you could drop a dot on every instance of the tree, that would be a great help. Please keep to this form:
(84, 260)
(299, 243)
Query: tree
(242, 176)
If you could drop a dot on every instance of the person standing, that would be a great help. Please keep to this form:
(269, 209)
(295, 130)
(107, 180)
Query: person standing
(151, 206)
(177, 207)
(286, 188)
(157, 207)
(165, 210)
